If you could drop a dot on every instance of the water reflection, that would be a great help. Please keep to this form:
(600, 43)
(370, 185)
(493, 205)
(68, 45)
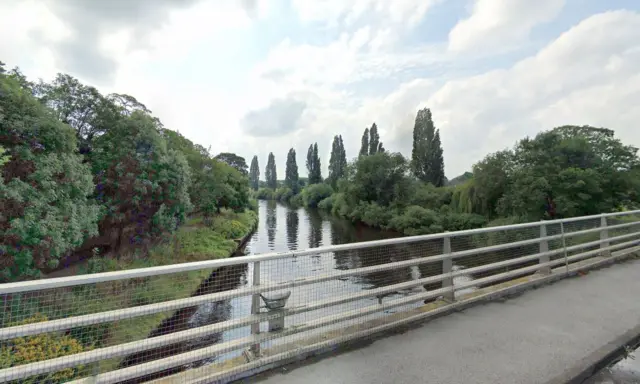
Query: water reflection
(272, 222)
(293, 223)
(314, 219)
(307, 228)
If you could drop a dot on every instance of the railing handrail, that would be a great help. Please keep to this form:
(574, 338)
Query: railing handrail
(60, 282)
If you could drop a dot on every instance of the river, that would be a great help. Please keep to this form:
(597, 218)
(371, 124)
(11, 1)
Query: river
(282, 228)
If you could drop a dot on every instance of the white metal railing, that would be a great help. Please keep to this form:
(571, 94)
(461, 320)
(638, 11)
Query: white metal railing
(96, 326)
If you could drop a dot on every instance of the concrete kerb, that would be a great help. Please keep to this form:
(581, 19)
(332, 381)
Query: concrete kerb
(312, 352)
(601, 358)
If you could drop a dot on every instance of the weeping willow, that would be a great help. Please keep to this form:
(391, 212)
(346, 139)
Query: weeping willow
(465, 199)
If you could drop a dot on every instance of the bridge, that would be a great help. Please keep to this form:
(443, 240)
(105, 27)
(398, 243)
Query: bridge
(257, 318)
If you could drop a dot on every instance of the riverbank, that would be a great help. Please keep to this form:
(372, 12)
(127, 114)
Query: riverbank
(197, 240)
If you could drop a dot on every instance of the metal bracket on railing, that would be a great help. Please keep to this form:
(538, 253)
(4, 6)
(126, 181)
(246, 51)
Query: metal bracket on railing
(275, 303)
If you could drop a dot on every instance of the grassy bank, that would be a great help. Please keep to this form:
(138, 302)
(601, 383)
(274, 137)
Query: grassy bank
(197, 240)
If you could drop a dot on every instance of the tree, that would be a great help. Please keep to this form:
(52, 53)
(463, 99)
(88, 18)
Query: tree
(270, 173)
(337, 161)
(379, 178)
(43, 186)
(364, 147)
(254, 174)
(582, 170)
(427, 162)
(140, 183)
(237, 162)
(374, 140)
(82, 107)
(313, 165)
(291, 173)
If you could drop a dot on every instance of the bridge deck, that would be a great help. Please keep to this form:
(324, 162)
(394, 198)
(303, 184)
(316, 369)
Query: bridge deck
(532, 338)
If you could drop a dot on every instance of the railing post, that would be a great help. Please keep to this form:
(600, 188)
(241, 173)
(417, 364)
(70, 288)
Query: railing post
(544, 248)
(255, 307)
(604, 236)
(447, 269)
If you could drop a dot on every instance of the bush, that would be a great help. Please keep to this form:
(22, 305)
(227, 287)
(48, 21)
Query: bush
(416, 221)
(326, 204)
(283, 194)
(31, 349)
(265, 194)
(232, 229)
(462, 221)
(297, 200)
(315, 193)
(372, 214)
(339, 205)
(253, 205)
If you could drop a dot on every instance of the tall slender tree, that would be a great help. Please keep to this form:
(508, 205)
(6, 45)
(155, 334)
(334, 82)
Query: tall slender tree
(271, 174)
(337, 161)
(374, 139)
(310, 163)
(317, 167)
(254, 173)
(436, 156)
(427, 162)
(364, 147)
(313, 165)
(291, 172)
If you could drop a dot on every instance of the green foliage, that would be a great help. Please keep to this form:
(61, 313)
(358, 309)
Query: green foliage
(326, 204)
(291, 172)
(271, 174)
(364, 145)
(427, 162)
(139, 175)
(254, 174)
(372, 214)
(43, 186)
(297, 200)
(235, 161)
(315, 193)
(374, 139)
(283, 194)
(584, 170)
(416, 220)
(265, 194)
(337, 161)
(32, 349)
(460, 179)
(379, 178)
(314, 168)
(4, 158)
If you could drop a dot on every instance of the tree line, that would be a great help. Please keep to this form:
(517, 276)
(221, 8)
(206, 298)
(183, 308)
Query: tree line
(563, 172)
(81, 170)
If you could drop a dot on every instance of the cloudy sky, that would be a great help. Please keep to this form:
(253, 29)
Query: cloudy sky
(254, 76)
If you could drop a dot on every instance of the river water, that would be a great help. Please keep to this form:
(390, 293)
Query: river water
(282, 228)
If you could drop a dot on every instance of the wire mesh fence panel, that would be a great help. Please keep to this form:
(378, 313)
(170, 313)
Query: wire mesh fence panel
(135, 327)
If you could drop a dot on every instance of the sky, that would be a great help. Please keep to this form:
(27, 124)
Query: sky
(253, 77)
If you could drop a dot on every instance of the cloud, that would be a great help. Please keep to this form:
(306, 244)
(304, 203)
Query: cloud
(499, 24)
(281, 117)
(82, 52)
(209, 69)
(346, 13)
(588, 75)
